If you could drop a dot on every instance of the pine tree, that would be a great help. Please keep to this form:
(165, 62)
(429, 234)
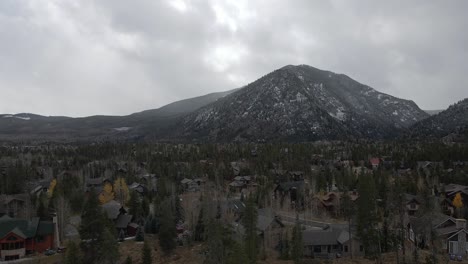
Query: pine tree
(200, 227)
(146, 254)
(93, 224)
(236, 254)
(73, 255)
(139, 234)
(249, 221)
(367, 214)
(167, 231)
(135, 206)
(297, 249)
(108, 248)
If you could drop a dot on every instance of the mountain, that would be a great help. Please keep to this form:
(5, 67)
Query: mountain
(300, 103)
(294, 103)
(454, 120)
(27, 126)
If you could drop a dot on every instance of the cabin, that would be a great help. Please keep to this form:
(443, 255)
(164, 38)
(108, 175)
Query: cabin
(20, 237)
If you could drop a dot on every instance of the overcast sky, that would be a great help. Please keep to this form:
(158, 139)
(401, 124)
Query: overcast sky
(85, 57)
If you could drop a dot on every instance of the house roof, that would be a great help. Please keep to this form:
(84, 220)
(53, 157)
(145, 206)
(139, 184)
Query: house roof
(185, 181)
(321, 237)
(25, 227)
(112, 209)
(237, 184)
(123, 221)
(375, 161)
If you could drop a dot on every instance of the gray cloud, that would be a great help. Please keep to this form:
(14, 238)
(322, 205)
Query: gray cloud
(64, 57)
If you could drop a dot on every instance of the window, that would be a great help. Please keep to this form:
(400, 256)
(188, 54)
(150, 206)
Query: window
(12, 246)
(7, 258)
(345, 248)
(317, 249)
(39, 239)
(361, 248)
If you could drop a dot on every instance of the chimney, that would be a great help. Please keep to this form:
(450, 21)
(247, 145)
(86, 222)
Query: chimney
(460, 223)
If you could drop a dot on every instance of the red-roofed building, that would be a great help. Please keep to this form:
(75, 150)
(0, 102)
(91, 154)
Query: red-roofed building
(375, 163)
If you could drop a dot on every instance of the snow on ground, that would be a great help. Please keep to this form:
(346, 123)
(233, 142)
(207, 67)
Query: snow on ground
(18, 117)
(122, 129)
(340, 115)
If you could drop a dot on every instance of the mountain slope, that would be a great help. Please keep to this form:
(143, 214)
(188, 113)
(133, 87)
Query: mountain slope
(452, 120)
(301, 103)
(36, 127)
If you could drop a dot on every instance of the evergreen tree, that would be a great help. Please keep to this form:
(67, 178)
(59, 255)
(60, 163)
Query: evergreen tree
(146, 254)
(200, 227)
(135, 206)
(167, 231)
(249, 221)
(367, 215)
(297, 249)
(108, 248)
(236, 254)
(93, 224)
(73, 255)
(216, 242)
(128, 260)
(139, 234)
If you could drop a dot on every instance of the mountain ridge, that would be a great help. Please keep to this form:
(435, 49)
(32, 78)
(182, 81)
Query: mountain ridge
(292, 103)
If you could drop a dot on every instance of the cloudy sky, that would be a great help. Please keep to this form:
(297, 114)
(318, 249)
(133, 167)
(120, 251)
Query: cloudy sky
(85, 57)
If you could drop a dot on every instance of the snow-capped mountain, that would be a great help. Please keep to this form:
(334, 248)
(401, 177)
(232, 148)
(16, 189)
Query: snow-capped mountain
(302, 103)
(294, 103)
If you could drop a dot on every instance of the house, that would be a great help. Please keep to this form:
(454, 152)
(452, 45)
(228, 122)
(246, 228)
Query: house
(290, 189)
(412, 204)
(189, 185)
(331, 201)
(19, 237)
(40, 187)
(138, 188)
(113, 209)
(122, 221)
(17, 205)
(149, 180)
(452, 233)
(375, 163)
(237, 186)
(330, 242)
(270, 229)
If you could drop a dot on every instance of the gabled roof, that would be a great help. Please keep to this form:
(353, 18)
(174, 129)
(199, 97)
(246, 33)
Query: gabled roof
(185, 181)
(18, 232)
(459, 231)
(27, 228)
(112, 209)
